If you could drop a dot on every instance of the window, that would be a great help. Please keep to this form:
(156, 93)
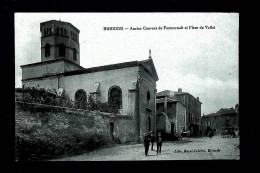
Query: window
(47, 50)
(227, 122)
(65, 31)
(148, 96)
(115, 96)
(62, 50)
(80, 99)
(61, 31)
(44, 32)
(58, 30)
(50, 31)
(74, 54)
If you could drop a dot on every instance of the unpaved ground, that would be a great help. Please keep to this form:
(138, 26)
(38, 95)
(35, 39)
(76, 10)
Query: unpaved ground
(224, 148)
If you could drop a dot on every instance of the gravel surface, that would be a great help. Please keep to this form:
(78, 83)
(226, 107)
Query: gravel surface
(202, 148)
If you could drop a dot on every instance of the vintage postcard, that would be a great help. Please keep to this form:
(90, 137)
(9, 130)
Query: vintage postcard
(126, 86)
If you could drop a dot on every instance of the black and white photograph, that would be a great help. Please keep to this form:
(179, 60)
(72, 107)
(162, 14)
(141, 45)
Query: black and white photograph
(126, 86)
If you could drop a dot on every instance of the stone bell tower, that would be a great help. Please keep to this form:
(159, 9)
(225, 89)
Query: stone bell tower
(59, 40)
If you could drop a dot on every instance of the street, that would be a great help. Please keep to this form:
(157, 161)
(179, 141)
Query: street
(202, 148)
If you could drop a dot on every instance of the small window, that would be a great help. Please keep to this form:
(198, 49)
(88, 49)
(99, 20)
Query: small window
(61, 50)
(74, 54)
(44, 32)
(65, 31)
(58, 30)
(50, 31)
(148, 96)
(61, 31)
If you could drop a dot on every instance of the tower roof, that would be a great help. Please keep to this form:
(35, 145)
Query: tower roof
(59, 22)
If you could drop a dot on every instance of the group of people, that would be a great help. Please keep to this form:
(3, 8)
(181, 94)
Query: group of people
(151, 137)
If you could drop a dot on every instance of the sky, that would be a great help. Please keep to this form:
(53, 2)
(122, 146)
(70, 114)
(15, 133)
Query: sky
(203, 62)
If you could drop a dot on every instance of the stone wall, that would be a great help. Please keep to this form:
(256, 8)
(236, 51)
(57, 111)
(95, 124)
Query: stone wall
(88, 122)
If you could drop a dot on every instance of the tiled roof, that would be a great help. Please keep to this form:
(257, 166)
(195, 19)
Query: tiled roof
(221, 112)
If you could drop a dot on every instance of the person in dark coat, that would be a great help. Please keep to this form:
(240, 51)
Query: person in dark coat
(159, 143)
(210, 133)
(152, 139)
(146, 143)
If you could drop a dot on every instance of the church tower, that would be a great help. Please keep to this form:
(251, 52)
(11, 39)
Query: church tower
(59, 40)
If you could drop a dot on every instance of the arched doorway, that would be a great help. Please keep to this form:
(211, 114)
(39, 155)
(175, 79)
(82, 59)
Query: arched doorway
(80, 99)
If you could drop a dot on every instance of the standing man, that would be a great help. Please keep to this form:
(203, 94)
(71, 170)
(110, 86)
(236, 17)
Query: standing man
(159, 142)
(152, 139)
(146, 143)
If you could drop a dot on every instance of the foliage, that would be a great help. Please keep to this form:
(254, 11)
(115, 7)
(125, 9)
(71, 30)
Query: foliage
(45, 142)
(102, 107)
(43, 96)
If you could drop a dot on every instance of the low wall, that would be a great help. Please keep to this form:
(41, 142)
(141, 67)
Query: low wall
(111, 126)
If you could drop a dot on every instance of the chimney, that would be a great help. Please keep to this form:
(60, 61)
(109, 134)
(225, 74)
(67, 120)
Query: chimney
(198, 98)
(179, 90)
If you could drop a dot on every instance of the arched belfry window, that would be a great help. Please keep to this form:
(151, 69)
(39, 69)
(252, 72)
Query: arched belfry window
(62, 50)
(115, 96)
(47, 50)
(80, 99)
(74, 54)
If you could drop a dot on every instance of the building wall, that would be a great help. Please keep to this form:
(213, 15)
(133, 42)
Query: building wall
(107, 79)
(181, 117)
(193, 109)
(47, 83)
(40, 70)
(176, 114)
(146, 83)
(167, 125)
(89, 122)
(160, 122)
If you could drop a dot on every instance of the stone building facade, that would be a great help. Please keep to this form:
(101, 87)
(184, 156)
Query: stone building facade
(130, 85)
(170, 116)
(223, 118)
(193, 108)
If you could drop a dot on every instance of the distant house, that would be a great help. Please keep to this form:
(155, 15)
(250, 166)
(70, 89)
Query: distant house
(192, 105)
(228, 117)
(170, 116)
